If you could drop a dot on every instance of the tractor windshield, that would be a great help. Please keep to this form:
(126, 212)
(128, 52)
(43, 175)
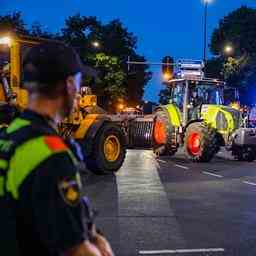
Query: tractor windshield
(177, 95)
(198, 93)
(206, 94)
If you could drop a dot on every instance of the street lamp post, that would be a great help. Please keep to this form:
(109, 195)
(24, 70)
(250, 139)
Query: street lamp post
(205, 27)
(206, 3)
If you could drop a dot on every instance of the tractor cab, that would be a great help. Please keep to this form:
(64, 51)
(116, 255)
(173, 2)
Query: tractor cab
(190, 95)
(201, 118)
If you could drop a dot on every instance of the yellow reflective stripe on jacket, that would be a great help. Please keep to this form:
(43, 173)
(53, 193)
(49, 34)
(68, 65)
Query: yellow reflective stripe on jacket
(17, 124)
(27, 157)
(3, 164)
(1, 186)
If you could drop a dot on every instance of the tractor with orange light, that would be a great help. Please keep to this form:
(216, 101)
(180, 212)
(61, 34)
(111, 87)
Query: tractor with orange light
(100, 134)
(197, 119)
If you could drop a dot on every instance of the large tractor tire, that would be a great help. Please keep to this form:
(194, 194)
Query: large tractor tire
(108, 150)
(163, 135)
(201, 142)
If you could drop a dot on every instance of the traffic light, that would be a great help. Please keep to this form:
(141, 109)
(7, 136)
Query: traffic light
(167, 67)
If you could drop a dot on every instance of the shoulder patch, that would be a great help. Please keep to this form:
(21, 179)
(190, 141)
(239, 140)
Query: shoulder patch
(55, 143)
(70, 190)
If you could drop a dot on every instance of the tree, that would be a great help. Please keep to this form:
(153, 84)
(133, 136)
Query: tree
(118, 41)
(111, 76)
(37, 30)
(214, 68)
(13, 23)
(237, 29)
(80, 31)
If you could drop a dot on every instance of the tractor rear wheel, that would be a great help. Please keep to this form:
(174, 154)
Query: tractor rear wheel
(108, 150)
(163, 135)
(201, 142)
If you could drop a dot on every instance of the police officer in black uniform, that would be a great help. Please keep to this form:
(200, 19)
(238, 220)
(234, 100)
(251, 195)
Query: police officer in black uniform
(40, 189)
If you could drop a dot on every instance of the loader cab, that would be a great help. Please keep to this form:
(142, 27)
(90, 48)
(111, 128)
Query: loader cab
(4, 68)
(190, 94)
(13, 49)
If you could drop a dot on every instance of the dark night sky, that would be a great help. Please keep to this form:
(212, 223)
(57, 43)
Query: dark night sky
(165, 27)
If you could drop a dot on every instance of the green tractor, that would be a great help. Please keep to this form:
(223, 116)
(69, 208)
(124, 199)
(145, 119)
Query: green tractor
(197, 119)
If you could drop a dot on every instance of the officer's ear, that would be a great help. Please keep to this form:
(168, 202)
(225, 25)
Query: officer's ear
(73, 83)
(70, 87)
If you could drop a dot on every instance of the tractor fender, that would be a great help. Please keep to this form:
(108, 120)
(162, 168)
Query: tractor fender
(173, 114)
(191, 122)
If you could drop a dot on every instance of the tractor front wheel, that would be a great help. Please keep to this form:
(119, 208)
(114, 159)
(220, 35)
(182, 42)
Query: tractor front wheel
(108, 150)
(201, 142)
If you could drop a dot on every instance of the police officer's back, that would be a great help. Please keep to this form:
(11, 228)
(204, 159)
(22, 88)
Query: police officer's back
(39, 183)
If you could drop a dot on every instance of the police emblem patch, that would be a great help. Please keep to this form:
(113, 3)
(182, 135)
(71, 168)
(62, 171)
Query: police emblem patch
(70, 190)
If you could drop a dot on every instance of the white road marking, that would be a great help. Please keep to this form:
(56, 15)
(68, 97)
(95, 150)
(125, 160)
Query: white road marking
(181, 166)
(213, 174)
(249, 183)
(161, 161)
(157, 165)
(145, 187)
(181, 251)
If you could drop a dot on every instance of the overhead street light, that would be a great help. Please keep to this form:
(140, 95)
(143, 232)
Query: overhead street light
(96, 44)
(6, 40)
(228, 49)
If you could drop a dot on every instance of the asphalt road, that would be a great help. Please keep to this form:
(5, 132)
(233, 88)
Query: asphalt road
(171, 206)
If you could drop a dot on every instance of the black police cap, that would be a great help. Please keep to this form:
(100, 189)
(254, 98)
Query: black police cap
(49, 63)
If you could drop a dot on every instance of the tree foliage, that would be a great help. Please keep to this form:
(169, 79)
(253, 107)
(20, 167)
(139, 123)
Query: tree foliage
(13, 23)
(237, 29)
(214, 68)
(111, 76)
(37, 30)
